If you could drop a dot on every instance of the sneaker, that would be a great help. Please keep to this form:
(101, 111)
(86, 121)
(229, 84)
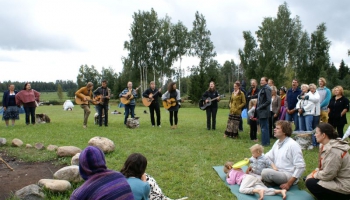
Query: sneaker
(84, 126)
(159, 126)
(152, 125)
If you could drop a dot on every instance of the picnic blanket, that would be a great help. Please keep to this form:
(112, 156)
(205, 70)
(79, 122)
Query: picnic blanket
(293, 192)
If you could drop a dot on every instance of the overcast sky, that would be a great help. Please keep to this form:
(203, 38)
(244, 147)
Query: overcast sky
(44, 40)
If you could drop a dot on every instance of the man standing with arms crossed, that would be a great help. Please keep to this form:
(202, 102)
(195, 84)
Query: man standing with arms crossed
(325, 97)
(292, 100)
(85, 93)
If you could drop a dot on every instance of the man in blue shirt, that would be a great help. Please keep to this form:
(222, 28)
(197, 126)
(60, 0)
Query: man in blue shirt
(292, 100)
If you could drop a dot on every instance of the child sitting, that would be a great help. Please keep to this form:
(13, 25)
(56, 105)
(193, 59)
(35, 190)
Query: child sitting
(253, 120)
(258, 161)
(248, 183)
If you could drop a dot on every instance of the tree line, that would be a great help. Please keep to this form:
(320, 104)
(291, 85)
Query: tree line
(40, 86)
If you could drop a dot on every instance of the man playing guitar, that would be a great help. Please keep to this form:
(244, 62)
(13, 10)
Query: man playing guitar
(84, 94)
(130, 107)
(102, 107)
(152, 94)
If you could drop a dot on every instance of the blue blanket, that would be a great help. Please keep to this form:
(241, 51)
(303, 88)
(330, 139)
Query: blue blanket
(293, 192)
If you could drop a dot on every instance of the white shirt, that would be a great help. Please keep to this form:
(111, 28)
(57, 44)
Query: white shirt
(287, 157)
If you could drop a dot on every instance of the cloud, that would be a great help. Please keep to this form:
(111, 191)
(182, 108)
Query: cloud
(18, 30)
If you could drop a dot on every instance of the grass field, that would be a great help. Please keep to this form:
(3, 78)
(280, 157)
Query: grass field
(181, 160)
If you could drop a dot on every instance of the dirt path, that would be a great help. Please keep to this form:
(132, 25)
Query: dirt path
(24, 174)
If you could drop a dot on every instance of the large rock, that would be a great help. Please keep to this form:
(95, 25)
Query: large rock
(55, 185)
(2, 141)
(52, 147)
(29, 146)
(67, 151)
(39, 146)
(75, 159)
(17, 142)
(30, 192)
(70, 173)
(105, 144)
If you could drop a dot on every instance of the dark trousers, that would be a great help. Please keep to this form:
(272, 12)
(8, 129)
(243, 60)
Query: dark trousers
(253, 129)
(102, 110)
(173, 117)
(339, 128)
(211, 114)
(30, 111)
(272, 126)
(154, 107)
(265, 134)
(129, 109)
(240, 126)
(322, 193)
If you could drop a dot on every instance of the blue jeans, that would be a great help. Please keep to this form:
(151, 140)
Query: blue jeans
(305, 122)
(265, 136)
(293, 117)
(315, 121)
(129, 109)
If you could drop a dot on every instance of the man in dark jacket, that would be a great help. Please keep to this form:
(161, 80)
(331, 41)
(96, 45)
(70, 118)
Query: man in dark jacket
(152, 94)
(292, 100)
(102, 108)
(263, 110)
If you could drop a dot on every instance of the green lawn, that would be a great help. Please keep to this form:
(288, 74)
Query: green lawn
(181, 160)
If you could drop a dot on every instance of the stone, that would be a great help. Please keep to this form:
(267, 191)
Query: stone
(2, 141)
(105, 144)
(29, 146)
(133, 122)
(39, 146)
(30, 192)
(69, 173)
(17, 142)
(75, 159)
(52, 147)
(67, 151)
(55, 185)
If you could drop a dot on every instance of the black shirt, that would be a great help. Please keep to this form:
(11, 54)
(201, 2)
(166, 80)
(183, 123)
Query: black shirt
(212, 95)
(336, 107)
(150, 91)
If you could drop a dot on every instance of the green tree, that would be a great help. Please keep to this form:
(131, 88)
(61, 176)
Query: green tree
(227, 76)
(110, 76)
(59, 92)
(203, 48)
(248, 56)
(88, 74)
(302, 68)
(343, 70)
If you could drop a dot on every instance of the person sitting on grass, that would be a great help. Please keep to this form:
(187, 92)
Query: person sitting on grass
(249, 184)
(134, 170)
(259, 161)
(100, 183)
(287, 156)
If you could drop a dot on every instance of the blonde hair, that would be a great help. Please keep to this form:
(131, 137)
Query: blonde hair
(257, 148)
(323, 80)
(252, 103)
(304, 86)
(228, 167)
(340, 88)
(273, 88)
(312, 85)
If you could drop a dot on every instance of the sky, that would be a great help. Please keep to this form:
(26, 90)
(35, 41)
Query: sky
(46, 40)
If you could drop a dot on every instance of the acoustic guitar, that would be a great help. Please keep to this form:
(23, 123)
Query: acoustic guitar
(203, 105)
(80, 101)
(147, 101)
(167, 105)
(126, 100)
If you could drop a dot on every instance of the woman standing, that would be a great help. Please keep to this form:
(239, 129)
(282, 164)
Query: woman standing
(275, 109)
(283, 110)
(9, 105)
(172, 96)
(212, 109)
(331, 179)
(28, 98)
(337, 108)
(306, 109)
(237, 102)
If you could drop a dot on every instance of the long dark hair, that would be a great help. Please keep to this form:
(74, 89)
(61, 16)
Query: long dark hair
(134, 166)
(328, 130)
(25, 86)
(171, 86)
